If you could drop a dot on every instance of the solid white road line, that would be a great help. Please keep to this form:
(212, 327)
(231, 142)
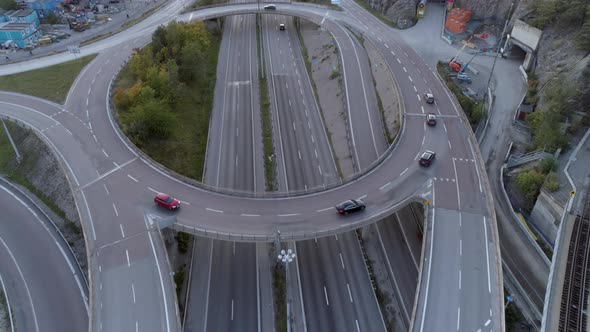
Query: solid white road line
(232, 309)
(458, 317)
(385, 185)
(457, 183)
(326, 294)
(358, 328)
(429, 263)
(459, 279)
(288, 215)
(485, 229)
(20, 272)
(249, 215)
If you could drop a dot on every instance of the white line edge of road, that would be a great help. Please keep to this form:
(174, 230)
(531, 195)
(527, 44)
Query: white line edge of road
(303, 319)
(159, 274)
(20, 272)
(7, 304)
(429, 265)
(485, 229)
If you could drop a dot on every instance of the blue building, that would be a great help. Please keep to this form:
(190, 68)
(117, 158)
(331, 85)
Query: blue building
(44, 7)
(20, 27)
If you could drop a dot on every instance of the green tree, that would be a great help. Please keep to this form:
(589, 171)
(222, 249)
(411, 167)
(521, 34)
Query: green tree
(151, 119)
(529, 183)
(9, 4)
(159, 40)
(193, 63)
(547, 165)
(157, 78)
(547, 130)
(545, 12)
(140, 62)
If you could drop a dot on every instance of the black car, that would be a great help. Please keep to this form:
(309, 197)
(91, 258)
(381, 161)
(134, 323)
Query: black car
(270, 7)
(427, 158)
(352, 205)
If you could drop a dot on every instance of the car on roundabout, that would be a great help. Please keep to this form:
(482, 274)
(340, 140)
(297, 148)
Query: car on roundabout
(167, 201)
(270, 7)
(349, 206)
(427, 158)
(431, 119)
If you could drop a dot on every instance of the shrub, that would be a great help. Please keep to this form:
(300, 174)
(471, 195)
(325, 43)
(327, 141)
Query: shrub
(547, 165)
(551, 182)
(335, 73)
(182, 238)
(529, 183)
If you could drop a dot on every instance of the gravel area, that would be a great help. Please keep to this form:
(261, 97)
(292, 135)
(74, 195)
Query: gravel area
(387, 91)
(324, 58)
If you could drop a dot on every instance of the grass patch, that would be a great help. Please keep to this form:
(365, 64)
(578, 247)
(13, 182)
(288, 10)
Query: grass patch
(125, 25)
(305, 56)
(17, 173)
(377, 14)
(280, 297)
(51, 83)
(267, 141)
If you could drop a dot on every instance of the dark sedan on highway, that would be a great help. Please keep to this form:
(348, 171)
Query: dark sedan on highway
(351, 205)
(427, 158)
(167, 201)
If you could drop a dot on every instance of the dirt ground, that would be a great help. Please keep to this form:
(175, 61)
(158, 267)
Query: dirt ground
(387, 91)
(324, 58)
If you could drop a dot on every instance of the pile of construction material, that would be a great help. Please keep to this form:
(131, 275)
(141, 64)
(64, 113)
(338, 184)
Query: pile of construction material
(457, 20)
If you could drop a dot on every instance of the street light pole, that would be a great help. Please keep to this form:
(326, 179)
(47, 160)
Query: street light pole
(287, 256)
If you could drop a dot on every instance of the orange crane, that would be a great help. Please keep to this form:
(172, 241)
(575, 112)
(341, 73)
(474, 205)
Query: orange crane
(456, 66)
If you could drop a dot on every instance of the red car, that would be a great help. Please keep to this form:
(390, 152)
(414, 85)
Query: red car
(167, 201)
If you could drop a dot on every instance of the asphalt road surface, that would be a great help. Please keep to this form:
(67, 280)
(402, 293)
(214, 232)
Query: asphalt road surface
(44, 286)
(113, 189)
(234, 161)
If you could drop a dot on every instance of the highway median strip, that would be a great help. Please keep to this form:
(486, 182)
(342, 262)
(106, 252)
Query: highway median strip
(267, 139)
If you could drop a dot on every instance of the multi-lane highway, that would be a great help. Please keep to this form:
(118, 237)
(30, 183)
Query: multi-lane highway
(225, 290)
(113, 187)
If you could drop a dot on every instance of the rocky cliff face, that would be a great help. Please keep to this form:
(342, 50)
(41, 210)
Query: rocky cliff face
(487, 9)
(401, 12)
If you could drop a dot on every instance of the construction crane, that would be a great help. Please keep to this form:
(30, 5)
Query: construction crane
(461, 75)
(454, 64)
